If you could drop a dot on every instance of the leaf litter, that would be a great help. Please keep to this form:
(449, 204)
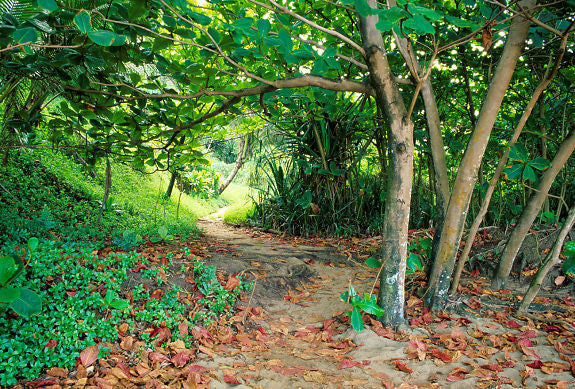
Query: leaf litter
(292, 331)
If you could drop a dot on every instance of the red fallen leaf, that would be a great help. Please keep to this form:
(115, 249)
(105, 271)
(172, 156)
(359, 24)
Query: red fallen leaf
(527, 334)
(51, 344)
(402, 366)
(71, 292)
(508, 364)
(347, 363)
(183, 328)
(530, 352)
(228, 379)
(525, 342)
(309, 261)
(124, 368)
(474, 273)
(89, 355)
(158, 357)
(43, 383)
(492, 367)
(512, 324)
(197, 369)
(180, 359)
(262, 331)
(141, 266)
(233, 282)
(366, 362)
(157, 294)
(552, 328)
(569, 301)
(535, 364)
(457, 374)
(441, 355)
(164, 334)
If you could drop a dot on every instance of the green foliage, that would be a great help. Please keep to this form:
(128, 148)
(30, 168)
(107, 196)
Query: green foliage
(201, 181)
(522, 166)
(366, 303)
(569, 263)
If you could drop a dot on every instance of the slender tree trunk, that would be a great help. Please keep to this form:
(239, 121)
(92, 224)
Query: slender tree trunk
(398, 196)
(240, 160)
(433, 127)
(171, 184)
(530, 212)
(439, 279)
(107, 185)
(551, 260)
(546, 80)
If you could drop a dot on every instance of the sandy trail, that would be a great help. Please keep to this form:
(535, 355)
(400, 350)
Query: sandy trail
(295, 335)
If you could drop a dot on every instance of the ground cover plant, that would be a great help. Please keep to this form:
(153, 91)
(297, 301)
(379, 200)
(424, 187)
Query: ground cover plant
(80, 269)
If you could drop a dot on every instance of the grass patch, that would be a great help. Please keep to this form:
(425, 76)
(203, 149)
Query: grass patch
(241, 205)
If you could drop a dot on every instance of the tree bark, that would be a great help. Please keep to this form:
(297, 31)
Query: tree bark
(240, 160)
(530, 212)
(107, 185)
(398, 197)
(551, 260)
(442, 268)
(171, 184)
(546, 80)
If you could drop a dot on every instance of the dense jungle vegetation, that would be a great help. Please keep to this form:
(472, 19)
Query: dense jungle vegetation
(123, 122)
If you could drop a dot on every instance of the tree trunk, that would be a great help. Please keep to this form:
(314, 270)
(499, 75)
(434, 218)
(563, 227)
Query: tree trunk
(107, 185)
(240, 160)
(398, 196)
(171, 184)
(439, 279)
(546, 80)
(433, 126)
(530, 212)
(551, 260)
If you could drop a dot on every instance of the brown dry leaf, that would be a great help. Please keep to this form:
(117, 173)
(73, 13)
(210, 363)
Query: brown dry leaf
(127, 343)
(457, 374)
(559, 280)
(119, 373)
(555, 367)
(315, 376)
(181, 358)
(58, 372)
(206, 350)
(402, 366)
(89, 355)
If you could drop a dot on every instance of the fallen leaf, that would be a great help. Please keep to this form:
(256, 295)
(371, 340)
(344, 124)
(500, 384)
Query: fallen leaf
(89, 355)
(233, 282)
(228, 379)
(57, 372)
(457, 374)
(402, 366)
(51, 344)
(180, 359)
(347, 363)
(559, 280)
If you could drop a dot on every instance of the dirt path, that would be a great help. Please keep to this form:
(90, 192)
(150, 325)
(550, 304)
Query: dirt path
(295, 334)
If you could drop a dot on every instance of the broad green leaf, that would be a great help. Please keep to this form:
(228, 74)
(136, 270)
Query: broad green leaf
(83, 21)
(27, 304)
(529, 174)
(414, 262)
(285, 39)
(200, 18)
(119, 304)
(570, 247)
(420, 25)
(106, 38)
(304, 55)
(362, 8)
(25, 35)
(264, 27)
(33, 243)
(7, 269)
(514, 171)
(214, 34)
(356, 319)
(49, 5)
(518, 152)
(539, 163)
(163, 232)
(461, 23)
(569, 265)
(9, 294)
(428, 13)
(243, 23)
(160, 44)
(111, 296)
(373, 262)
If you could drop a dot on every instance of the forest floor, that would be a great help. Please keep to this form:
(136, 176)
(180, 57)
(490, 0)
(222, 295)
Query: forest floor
(292, 330)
